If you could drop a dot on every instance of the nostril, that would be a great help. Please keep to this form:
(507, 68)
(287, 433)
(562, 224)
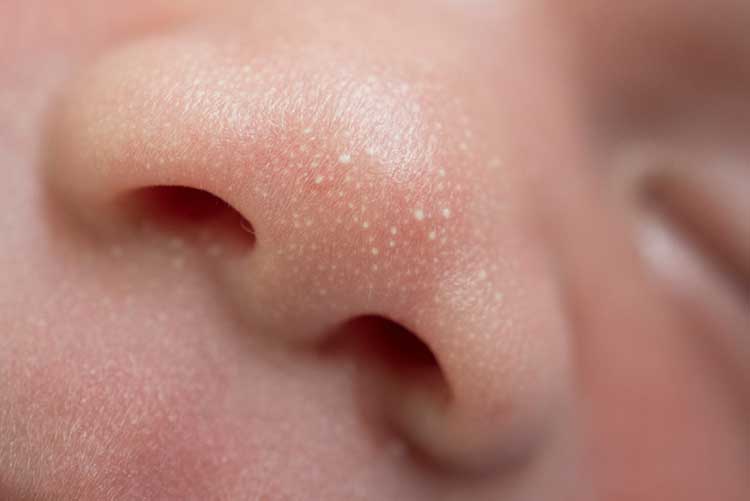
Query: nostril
(391, 365)
(192, 214)
(383, 345)
(405, 392)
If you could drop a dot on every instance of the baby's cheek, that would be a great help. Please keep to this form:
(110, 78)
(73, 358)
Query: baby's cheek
(111, 411)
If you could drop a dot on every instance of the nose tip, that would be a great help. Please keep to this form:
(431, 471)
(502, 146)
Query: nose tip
(359, 203)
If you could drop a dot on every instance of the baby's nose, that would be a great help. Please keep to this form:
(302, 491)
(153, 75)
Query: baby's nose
(351, 209)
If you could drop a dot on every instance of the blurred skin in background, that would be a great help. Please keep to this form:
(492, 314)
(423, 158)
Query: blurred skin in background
(375, 250)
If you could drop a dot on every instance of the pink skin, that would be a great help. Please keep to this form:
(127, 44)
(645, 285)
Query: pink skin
(433, 276)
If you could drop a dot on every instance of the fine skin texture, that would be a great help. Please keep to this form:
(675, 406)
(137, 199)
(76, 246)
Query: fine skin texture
(374, 250)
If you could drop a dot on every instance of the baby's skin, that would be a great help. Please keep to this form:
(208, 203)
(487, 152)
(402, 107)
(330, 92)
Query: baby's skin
(375, 250)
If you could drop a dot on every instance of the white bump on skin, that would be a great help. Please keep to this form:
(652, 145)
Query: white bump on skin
(441, 172)
(318, 179)
(392, 243)
(446, 213)
(394, 230)
(307, 130)
(498, 296)
(365, 225)
(419, 214)
(375, 251)
(370, 151)
(345, 158)
(433, 235)
(482, 274)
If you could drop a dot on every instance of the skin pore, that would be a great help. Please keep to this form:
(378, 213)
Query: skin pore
(374, 250)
